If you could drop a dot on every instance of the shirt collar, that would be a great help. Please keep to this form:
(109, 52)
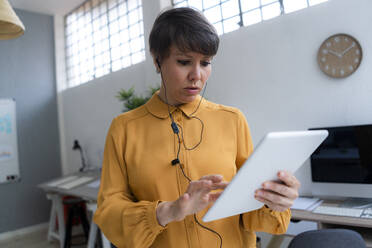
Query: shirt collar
(160, 109)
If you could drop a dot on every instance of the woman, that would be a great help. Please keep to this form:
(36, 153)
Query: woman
(168, 160)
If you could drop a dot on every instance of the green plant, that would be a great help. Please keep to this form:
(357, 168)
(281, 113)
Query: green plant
(131, 100)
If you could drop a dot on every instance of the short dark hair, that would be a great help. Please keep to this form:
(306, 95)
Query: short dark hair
(185, 28)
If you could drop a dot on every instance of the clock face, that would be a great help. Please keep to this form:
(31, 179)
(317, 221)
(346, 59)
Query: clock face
(339, 55)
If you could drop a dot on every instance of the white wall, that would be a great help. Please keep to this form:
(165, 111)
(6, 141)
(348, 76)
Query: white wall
(268, 70)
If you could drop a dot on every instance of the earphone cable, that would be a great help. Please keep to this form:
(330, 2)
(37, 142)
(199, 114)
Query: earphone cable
(175, 130)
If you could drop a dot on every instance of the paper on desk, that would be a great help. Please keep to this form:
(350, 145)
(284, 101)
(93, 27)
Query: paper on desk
(75, 183)
(61, 181)
(94, 184)
(306, 203)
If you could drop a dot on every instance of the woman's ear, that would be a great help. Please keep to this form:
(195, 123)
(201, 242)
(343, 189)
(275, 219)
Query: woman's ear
(156, 63)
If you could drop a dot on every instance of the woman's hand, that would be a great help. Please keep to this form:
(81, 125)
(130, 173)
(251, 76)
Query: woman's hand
(279, 196)
(197, 196)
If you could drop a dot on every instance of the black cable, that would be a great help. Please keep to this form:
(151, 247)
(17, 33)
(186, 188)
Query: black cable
(195, 218)
(209, 229)
(176, 131)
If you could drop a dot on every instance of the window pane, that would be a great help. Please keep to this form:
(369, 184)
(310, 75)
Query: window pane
(230, 9)
(123, 22)
(181, 4)
(137, 57)
(210, 3)
(249, 4)
(112, 3)
(103, 36)
(106, 58)
(314, 2)
(213, 14)
(104, 32)
(231, 24)
(125, 50)
(103, 21)
(103, 8)
(177, 1)
(96, 25)
(113, 14)
(132, 4)
(218, 27)
(126, 61)
(135, 45)
(196, 4)
(270, 11)
(115, 40)
(115, 53)
(293, 5)
(124, 36)
(114, 27)
(116, 65)
(135, 31)
(264, 2)
(133, 17)
(252, 17)
(105, 45)
(122, 9)
(97, 49)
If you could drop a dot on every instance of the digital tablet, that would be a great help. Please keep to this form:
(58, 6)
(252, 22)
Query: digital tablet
(276, 151)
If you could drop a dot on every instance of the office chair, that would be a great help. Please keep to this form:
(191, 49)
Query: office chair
(328, 238)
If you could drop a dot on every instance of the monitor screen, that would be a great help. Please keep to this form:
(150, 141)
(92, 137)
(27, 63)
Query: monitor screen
(345, 156)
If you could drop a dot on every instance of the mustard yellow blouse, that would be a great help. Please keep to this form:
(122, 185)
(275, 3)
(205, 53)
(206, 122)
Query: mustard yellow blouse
(137, 174)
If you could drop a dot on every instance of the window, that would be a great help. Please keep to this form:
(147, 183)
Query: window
(229, 15)
(103, 36)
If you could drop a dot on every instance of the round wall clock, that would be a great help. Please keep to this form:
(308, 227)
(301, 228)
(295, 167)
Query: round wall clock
(339, 55)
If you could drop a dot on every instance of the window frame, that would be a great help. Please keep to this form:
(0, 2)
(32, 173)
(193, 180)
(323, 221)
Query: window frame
(88, 39)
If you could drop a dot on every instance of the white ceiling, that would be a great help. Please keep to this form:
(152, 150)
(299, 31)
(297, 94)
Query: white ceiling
(50, 7)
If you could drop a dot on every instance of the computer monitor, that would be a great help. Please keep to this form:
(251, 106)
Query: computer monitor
(342, 165)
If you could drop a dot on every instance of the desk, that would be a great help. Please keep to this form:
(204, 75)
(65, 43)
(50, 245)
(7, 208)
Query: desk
(55, 194)
(361, 225)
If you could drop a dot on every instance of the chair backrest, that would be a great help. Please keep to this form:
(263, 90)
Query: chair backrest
(328, 238)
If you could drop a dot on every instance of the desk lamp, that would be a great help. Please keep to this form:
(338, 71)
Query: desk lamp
(10, 25)
(78, 147)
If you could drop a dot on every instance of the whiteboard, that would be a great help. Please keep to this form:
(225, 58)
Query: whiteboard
(9, 167)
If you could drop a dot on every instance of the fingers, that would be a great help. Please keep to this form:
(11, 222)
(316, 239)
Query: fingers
(279, 195)
(273, 198)
(217, 181)
(213, 196)
(281, 189)
(199, 187)
(214, 178)
(271, 205)
(289, 179)
(206, 184)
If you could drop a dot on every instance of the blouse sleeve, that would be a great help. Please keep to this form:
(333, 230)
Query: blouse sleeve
(125, 221)
(263, 219)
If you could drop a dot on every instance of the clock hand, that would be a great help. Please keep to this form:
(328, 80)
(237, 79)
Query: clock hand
(347, 49)
(335, 53)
